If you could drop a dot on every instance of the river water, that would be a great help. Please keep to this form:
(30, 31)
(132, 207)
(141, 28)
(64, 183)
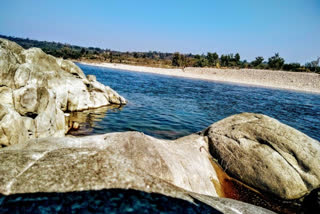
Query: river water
(170, 107)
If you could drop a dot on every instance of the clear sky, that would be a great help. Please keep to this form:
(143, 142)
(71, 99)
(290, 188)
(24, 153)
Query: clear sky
(250, 27)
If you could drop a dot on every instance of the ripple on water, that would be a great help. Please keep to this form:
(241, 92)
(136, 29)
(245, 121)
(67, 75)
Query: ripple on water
(170, 107)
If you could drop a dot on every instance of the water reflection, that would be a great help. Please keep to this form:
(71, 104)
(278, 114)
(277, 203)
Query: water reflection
(83, 122)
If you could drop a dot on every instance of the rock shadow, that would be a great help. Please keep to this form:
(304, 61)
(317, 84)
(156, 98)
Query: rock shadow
(99, 201)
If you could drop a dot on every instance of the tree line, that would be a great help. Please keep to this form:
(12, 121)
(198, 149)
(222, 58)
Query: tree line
(234, 61)
(159, 59)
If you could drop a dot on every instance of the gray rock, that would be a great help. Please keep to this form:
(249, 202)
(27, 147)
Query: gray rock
(12, 129)
(92, 78)
(135, 150)
(129, 160)
(35, 90)
(266, 154)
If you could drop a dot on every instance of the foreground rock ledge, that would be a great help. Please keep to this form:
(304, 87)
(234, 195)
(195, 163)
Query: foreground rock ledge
(36, 89)
(129, 160)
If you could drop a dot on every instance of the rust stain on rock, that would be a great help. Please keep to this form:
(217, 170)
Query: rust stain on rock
(229, 187)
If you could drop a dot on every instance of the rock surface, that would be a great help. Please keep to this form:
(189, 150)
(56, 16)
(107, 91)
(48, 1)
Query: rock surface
(36, 89)
(130, 160)
(266, 154)
(252, 148)
(75, 162)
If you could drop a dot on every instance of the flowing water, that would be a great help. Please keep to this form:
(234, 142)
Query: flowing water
(170, 107)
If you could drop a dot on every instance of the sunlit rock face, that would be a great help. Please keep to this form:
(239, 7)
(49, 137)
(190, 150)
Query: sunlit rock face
(36, 89)
(266, 154)
(84, 163)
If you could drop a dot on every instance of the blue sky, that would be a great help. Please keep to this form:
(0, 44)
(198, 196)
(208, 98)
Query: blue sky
(250, 27)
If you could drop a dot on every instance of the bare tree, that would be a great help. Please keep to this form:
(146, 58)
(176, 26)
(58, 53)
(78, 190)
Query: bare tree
(316, 62)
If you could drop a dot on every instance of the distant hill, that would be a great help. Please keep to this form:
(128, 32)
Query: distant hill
(54, 48)
(159, 59)
(75, 52)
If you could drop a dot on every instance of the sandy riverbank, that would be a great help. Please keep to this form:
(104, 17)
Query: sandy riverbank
(307, 82)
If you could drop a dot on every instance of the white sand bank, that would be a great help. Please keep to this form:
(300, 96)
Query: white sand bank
(306, 82)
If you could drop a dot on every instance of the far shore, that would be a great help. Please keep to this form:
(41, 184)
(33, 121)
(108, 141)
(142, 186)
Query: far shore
(298, 81)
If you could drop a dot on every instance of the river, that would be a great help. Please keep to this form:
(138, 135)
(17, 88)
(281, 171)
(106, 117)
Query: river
(170, 107)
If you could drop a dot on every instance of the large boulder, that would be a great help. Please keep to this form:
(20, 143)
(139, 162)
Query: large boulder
(36, 89)
(96, 166)
(86, 163)
(266, 154)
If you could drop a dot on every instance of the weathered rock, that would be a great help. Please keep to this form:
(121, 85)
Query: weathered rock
(10, 59)
(6, 96)
(37, 86)
(266, 154)
(91, 78)
(129, 160)
(12, 129)
(167, 160)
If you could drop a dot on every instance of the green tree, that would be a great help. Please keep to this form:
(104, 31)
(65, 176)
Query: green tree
(258, 61)
(245, 64)
(226, 59)
(105, 55)
(237, 58)
(292, 67)
(183, 61)
(212, 58)
(201, 61)
(111, 57)
(275, 62)
(83, 51)
(176, 59)
(313, 66)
